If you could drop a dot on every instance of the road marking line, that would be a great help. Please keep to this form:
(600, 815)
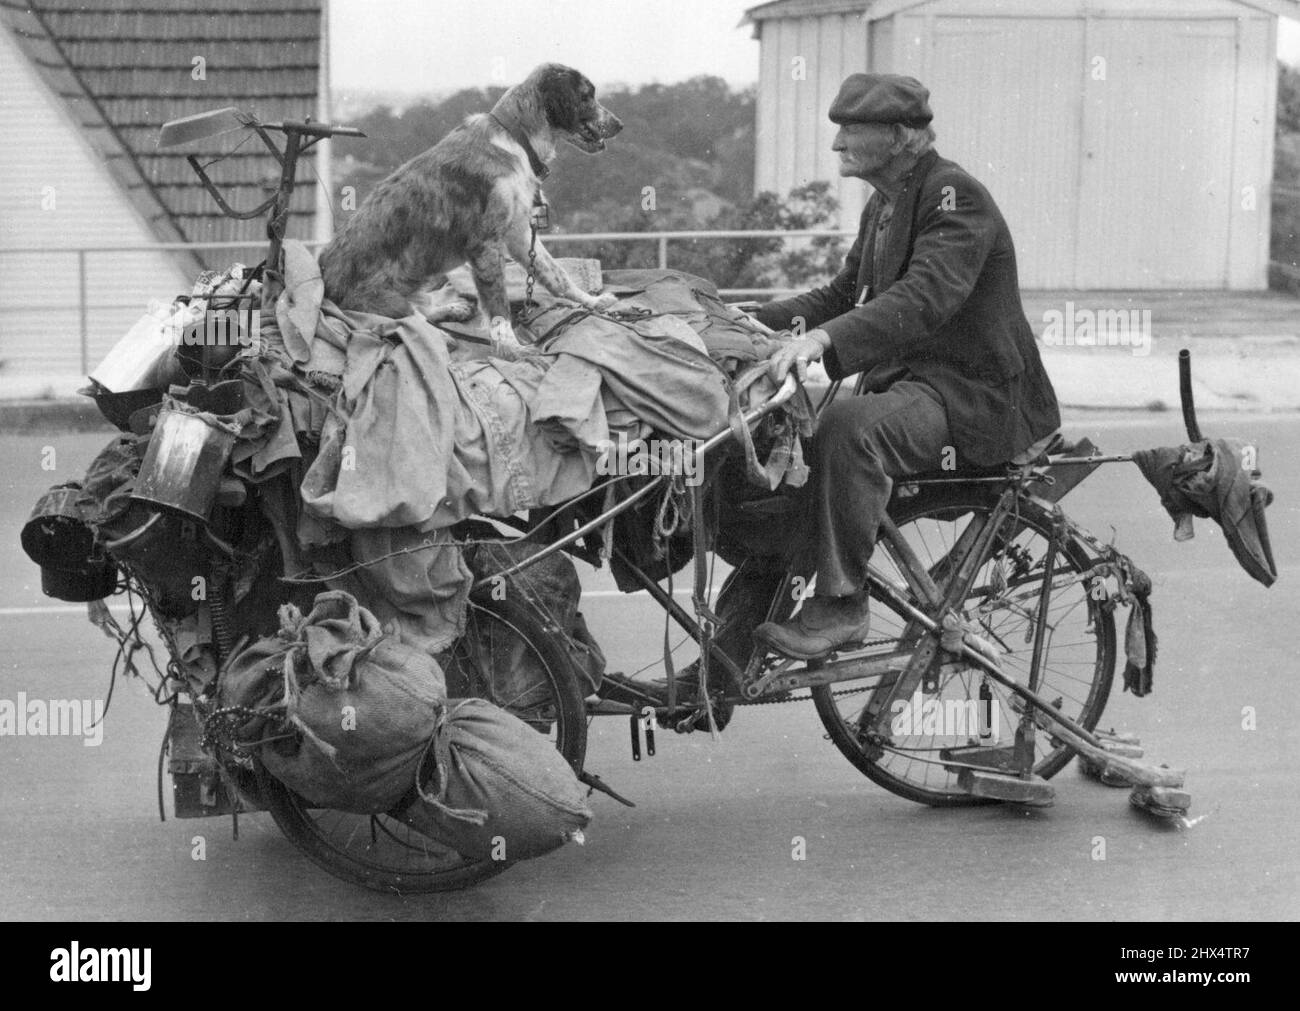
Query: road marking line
(20, 612)
(685, 591)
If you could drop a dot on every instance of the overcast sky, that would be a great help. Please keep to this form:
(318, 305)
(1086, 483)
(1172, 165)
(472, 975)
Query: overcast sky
(442, 45)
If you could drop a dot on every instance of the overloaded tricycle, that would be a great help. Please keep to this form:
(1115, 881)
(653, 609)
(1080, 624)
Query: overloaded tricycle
(353, 536)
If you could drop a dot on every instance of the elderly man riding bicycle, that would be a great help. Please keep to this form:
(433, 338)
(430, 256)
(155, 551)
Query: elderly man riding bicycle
(928, 307)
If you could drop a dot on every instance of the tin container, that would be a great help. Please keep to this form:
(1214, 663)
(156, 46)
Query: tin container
(94, 580)
(141, 359)
(182, 468)
(56, 534)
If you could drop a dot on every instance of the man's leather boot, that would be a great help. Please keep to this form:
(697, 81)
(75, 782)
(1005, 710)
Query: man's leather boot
(822, 624)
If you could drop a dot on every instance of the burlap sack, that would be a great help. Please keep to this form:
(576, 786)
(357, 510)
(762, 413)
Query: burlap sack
(343, 712)
(498, 790)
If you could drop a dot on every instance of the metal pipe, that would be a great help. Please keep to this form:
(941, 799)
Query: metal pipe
(1185, 395)
(679, 615)
(570, 538)
(1078, 461)
(1044, 601)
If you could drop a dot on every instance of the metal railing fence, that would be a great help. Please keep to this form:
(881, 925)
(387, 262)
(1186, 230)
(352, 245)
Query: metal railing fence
(85, 305)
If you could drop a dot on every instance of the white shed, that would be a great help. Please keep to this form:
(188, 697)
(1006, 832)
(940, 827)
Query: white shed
(1129, 143)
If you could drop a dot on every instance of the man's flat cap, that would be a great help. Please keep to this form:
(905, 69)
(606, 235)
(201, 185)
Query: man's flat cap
(882, 98)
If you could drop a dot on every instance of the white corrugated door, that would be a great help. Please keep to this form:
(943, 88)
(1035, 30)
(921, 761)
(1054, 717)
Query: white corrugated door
(1008, 107)
(1154, 196)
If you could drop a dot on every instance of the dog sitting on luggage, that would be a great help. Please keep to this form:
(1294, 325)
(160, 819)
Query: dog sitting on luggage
(469, 198)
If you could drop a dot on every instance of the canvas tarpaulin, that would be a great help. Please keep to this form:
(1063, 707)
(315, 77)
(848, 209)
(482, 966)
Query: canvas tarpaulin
(393, 431)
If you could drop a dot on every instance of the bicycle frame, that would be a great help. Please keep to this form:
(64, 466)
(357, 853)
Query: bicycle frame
(929, 601)
(967, 554)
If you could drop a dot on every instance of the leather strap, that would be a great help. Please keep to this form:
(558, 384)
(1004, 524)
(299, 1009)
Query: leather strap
(517, 134)
(755, 470)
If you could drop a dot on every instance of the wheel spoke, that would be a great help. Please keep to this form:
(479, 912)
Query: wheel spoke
(1075, 669)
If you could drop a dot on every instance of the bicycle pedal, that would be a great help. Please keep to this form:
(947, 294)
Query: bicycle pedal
(997, 758)
(643, 721)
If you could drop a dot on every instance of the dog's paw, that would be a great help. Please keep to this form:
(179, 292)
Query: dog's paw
(602, 302)
(512, 351)
(453, 312)
(506, 345)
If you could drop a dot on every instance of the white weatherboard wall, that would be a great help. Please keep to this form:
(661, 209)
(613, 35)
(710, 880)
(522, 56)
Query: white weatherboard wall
(43, 149)
(1129, 143)
(793, 142)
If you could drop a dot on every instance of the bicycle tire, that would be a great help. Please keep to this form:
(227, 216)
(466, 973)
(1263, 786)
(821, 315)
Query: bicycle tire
(911, 777)
(399, 859)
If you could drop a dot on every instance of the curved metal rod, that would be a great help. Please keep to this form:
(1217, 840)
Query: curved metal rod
(133, 536)
(575, 535)
(1185, 395)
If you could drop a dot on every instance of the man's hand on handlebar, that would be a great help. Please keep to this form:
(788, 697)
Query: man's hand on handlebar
(796, 355)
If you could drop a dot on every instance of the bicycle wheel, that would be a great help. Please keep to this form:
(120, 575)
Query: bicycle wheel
(505, 656)
(901, 750)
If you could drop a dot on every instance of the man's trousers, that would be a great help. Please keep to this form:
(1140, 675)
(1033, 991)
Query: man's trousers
(861, 446)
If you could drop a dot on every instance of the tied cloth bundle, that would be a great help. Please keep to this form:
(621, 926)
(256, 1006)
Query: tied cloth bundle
(1218, 479)
(1140, 642)
(360, 704)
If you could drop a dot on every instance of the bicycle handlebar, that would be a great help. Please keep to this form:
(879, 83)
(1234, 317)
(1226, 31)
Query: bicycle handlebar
(313, 129)
(784, 393)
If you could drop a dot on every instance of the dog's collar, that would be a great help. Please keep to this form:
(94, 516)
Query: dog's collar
(536, 164)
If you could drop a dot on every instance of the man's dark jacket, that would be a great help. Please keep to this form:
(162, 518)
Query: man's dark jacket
(945, 306)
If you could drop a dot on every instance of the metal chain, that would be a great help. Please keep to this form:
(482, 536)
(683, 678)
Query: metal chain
(808, 698)
(219, 726)
(532, 266)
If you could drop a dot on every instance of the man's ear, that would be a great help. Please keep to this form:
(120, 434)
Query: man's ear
(900, 139)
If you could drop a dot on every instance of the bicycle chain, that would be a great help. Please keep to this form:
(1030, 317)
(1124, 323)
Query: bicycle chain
(806, 698)
(834, 694)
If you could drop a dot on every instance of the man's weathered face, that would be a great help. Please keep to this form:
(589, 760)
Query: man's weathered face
(864, 148)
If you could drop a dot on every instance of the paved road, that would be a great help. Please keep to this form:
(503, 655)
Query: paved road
(712, 834)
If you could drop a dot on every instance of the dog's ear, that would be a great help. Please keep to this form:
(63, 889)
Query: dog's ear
(564, 91)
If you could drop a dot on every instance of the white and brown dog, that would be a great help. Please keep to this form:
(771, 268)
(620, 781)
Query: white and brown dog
(469, 198)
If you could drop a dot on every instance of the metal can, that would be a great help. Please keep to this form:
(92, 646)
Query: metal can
(182, 468)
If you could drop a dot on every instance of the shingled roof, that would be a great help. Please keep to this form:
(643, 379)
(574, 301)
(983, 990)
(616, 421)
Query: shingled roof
(124, 68)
